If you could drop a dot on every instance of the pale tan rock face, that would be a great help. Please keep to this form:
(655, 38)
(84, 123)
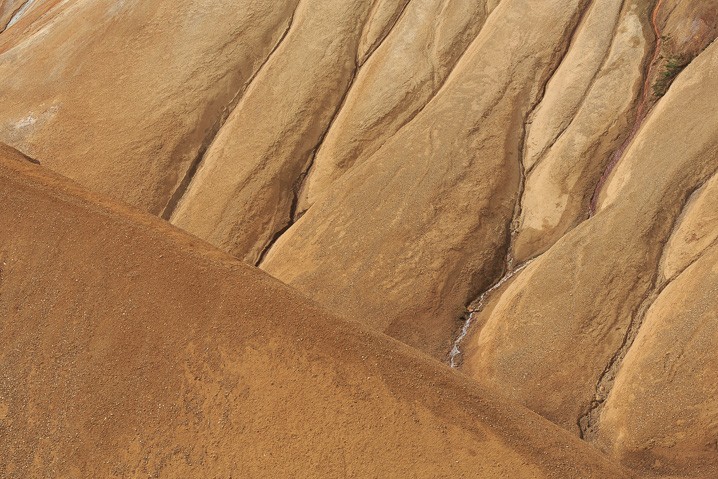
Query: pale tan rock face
(582, 120)
(547, 164)
(20, 19)
(394, 85)
(661, 413)
(690, 25)
(697, 230)
(381, 19)
(132, 131)
(573, 79)
(398, 227)
(10, 11)
(243, 192)
(562, 323)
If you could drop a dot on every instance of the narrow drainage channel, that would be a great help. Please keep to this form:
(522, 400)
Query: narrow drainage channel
(455, 355)
(641, 112)
(19, 13)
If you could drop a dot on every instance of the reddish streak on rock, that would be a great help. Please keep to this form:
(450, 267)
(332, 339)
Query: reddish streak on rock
(641, 113)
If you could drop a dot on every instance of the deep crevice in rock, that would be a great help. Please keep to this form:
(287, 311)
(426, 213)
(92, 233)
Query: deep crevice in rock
(509, 271)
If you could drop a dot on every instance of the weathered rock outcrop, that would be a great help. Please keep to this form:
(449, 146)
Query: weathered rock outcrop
(394, 85)
(584, 117)
(661, 413)
(415, 231)
(557, 337)
(128, 109)
(21, 19)
(696, 231)
(543, 169)
(689, 26)
(245, 189)
(10, 12)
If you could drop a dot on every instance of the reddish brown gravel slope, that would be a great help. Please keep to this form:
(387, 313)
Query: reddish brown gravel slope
(131, 349)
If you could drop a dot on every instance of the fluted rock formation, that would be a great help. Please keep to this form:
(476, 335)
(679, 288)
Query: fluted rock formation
(147, 87)
(558, 336)
(527, 188)
(426, 218)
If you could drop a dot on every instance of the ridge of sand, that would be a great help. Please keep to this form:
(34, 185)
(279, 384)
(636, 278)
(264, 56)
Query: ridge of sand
(131, 348)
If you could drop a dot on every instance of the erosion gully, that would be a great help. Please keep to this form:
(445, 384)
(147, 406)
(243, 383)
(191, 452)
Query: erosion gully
(455, 355)
(16, 17)
(641, 111)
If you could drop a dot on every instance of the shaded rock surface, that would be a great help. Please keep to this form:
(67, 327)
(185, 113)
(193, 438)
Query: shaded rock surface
(244, 191)
(65, 100)
(10, 12)
(416, 243)
(585, 113)
(661, 413)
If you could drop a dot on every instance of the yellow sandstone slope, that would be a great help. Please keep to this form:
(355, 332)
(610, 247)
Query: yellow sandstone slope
(575, 324)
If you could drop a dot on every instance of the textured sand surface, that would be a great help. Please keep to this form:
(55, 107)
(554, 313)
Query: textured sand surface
(131, 349)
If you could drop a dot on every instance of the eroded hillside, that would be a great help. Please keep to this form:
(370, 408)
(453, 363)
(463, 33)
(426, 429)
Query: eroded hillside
(142, 351)
(525, 189)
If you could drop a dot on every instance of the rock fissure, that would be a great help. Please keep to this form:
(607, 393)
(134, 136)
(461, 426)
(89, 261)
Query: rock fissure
(18, 14)
(440, 85)
(509, 271)
(579, 105)
(476, 307)
(588, 422)
(641, 111)
(194, 166)
(300, 181)
(294, 216)
(385, 34)
(292, 213)
(696, 192)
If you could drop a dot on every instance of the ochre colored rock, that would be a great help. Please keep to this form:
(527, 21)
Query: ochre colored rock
(21, 19)
(418, 229)
(128, 109)
(558, 332)
(572, 81)
(661, 414)
(10, 12)
(402, 76)
(696, 231)
(546, 170)
(581, 122)
(244, 190)
(690, 26)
